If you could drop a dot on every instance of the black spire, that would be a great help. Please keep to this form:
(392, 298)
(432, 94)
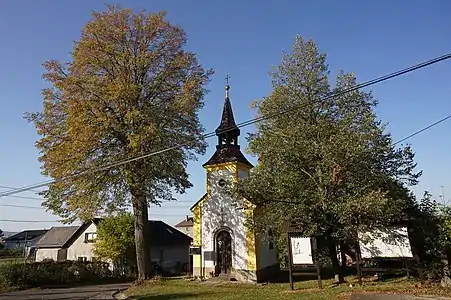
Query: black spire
(227, 131)
(227, 149)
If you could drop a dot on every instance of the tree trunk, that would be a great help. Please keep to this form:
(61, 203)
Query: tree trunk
(343, 249)
(141, 222)
(338, 271)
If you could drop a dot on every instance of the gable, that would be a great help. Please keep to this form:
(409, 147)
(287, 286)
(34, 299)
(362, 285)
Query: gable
(199, 201)
(188, 222)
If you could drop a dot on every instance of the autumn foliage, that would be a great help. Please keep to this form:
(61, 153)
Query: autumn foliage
(130, 89)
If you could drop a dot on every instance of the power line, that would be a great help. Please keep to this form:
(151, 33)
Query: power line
(26, 197)
(13, 188)
(21, 206)
(43, 208)
(28, 221)
(423, 129)
(246, 123)
(56, 221)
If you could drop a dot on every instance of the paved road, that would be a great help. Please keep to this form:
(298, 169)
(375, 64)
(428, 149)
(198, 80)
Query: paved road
(78, 293)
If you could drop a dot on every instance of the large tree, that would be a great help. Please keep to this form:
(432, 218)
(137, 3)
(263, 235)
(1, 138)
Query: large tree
(129, 89)
(325, 163)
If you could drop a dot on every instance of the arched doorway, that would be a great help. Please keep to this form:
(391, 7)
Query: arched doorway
(223, 252)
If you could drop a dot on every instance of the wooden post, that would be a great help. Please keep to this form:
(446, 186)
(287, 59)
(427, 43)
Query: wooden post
(314, 244)
(190, 274)
(419, 268)
(290, 261)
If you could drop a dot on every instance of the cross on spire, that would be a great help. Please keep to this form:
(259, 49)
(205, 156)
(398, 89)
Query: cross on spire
(227, 87)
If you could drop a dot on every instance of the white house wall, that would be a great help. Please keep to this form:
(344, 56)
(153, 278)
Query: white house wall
(81, 249)
(220, 211)
(51, 253)
(188, 230)
(266, 257)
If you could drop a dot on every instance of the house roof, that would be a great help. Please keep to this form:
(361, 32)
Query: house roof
(161, 234)
(28, 234)
(226, 154)
(57, 236)
(188, 222)
(227, 149)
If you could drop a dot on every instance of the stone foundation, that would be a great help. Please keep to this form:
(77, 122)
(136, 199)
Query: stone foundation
(207, 272)
(263, 275)
(245, 275)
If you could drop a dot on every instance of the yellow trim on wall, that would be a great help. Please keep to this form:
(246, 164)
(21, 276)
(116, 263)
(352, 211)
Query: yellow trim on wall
(251, 255)
(197, 234)
(222, 165)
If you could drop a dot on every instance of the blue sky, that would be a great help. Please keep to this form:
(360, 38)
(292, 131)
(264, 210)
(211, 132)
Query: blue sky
(242, 39)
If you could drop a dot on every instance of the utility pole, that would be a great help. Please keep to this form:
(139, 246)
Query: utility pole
(25, 246)
(443, 196)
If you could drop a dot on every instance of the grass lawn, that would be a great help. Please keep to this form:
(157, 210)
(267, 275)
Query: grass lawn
(171, 289)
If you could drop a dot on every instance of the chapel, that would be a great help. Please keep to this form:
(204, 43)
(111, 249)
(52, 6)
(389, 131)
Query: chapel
(229, 247)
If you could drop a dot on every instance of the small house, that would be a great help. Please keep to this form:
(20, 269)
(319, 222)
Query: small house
(25, 240)
(169, 246)
(186, 226)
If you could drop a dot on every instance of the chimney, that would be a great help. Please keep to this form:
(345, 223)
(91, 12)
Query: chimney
(187, 218)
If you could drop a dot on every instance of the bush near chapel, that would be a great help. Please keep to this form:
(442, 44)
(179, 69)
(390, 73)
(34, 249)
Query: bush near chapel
(51, 273)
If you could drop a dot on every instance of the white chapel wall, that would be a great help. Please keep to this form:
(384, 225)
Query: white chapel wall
(221, 211)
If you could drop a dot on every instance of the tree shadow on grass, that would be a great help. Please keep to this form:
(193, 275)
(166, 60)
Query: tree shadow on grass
(172, 296)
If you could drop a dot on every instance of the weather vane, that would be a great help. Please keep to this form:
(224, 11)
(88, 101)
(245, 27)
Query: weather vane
(227, 79)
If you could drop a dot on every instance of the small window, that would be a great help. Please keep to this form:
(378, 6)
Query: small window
(82, 259)
(90, 237)
(271, 239)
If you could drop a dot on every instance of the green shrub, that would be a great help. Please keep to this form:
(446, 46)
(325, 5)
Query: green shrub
(49, 273)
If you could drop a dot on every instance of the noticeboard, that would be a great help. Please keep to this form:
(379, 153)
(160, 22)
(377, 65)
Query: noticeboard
(301, 251)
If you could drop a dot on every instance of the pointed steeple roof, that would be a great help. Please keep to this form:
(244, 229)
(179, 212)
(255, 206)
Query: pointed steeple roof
(227, 149)
(227, 120)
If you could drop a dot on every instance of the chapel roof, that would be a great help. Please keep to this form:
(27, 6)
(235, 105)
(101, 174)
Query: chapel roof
(227, 149)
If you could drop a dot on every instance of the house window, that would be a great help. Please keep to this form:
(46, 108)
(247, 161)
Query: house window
(271, 239)
(82, 259)
(90, 237)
